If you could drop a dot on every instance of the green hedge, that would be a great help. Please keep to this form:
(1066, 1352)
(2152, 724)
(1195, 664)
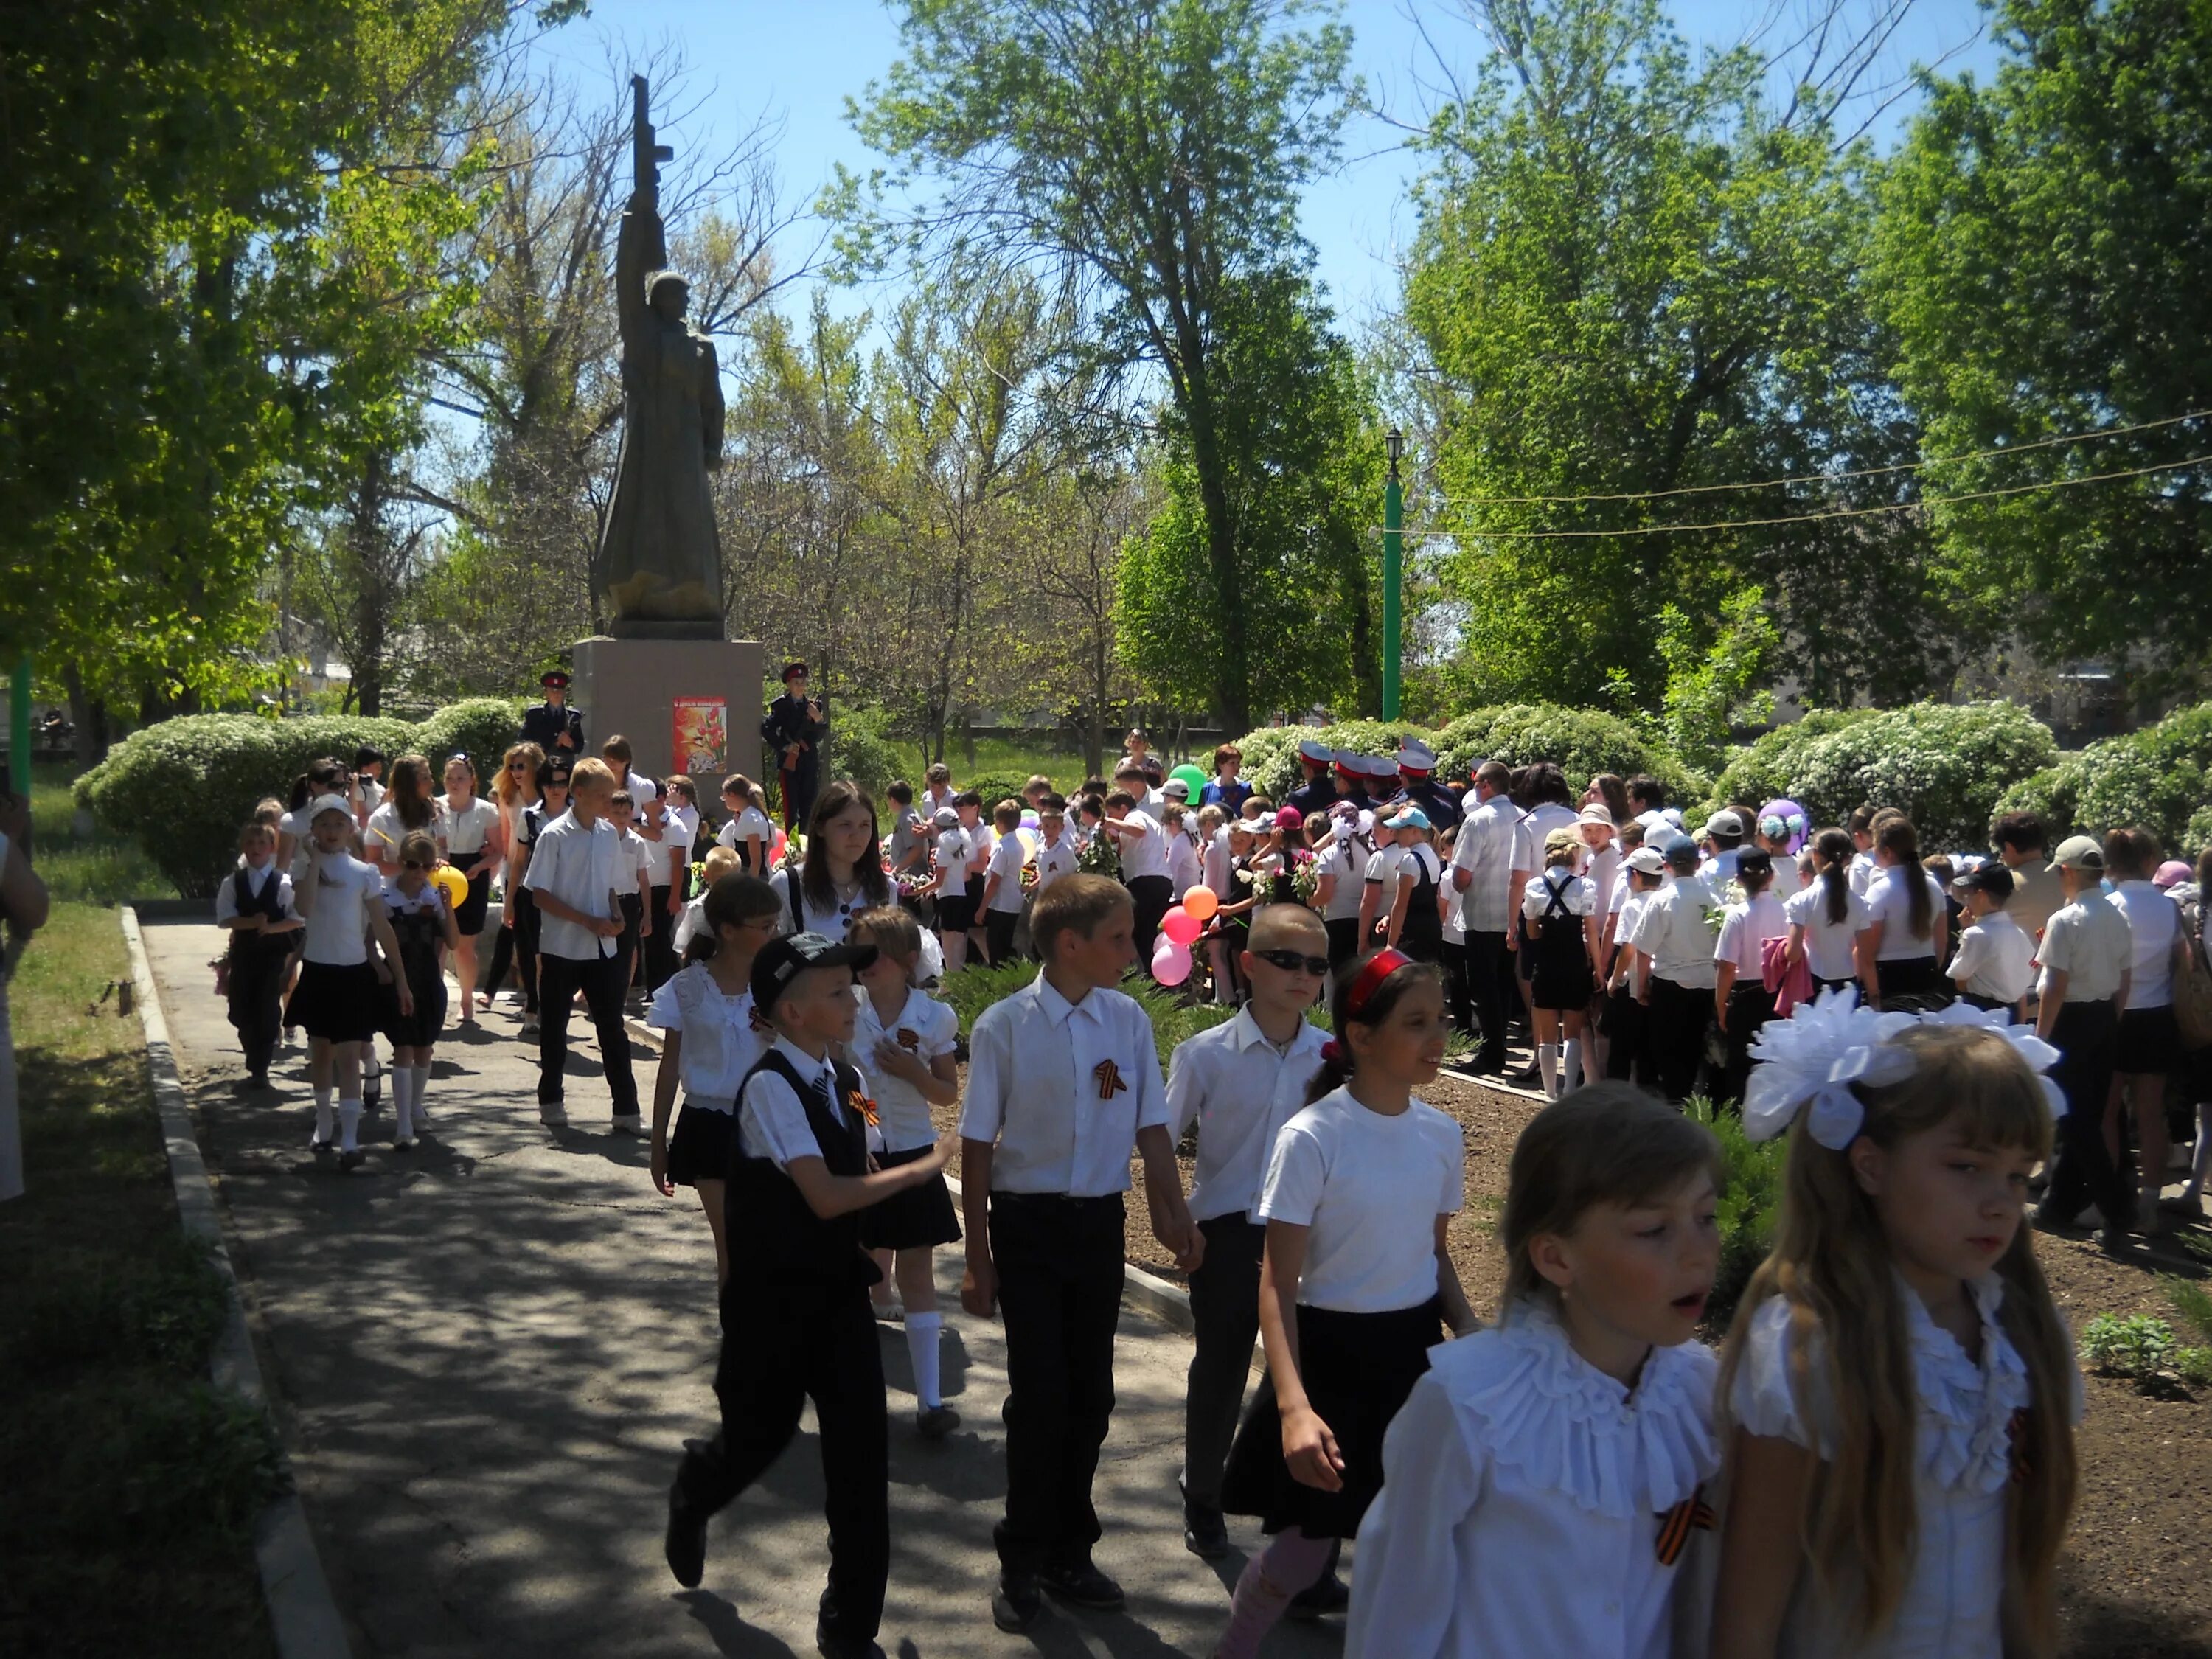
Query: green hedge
(1754, 1173)
(1768, 769)
(182, 787)
(971, 990)
(2158, 779)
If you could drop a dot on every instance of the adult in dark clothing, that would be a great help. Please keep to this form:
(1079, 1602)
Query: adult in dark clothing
(1318, 793)
(552, 725)
(1417, 786)
(793, 734)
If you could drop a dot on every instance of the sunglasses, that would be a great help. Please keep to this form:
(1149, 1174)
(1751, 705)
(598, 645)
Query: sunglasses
(519, 766)
(413, 864)
(1296, 961)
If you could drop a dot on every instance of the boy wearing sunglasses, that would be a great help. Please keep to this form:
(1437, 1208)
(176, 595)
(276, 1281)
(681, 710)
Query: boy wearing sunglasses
(1240, 1083)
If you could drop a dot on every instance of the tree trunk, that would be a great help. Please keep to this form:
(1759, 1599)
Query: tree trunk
(370, 620)
(88, 714)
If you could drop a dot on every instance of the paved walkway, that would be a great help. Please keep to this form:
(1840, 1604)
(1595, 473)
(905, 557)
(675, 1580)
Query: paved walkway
(489, 1351)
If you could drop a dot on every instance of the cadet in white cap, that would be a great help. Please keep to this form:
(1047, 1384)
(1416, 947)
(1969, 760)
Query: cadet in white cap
(1418, 785)
(1351, 779)
(1318, 794)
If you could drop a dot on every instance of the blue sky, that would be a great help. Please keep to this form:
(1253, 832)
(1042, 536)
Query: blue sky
(801, 61)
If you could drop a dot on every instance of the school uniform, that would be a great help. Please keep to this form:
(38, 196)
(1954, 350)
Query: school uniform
(2088, 941)
(671, 866)
(636, 860)
(1554, 905)
(1622, 1016)
(1368, 1188)
(799, 1328)
(386, 830)
(1183, 871)
(1239, 1089)
(956, 913)
(335, 998)
(922, 1216)
(1382, 876)
(1828, 944)
(1461, 1006)
(982, 841)
(1004, 909)
(1061, 1090)
(1144, 873)
(465, 830)
(722, 1040)
(255, 991)
(833, 920)
(1861, 872)
(1528, 837)
(1905, 965)
(1346, 860)
(1316, 794)
(418, 923)
(1674, 933)
(1488, 837)
(528, 824)
(737, 834)
(1420, 935)
(2149, 1041)
(584, 868)
(1745, 930)
(1994, 966)
(505, 943)
(906, 849)
(1055, 859)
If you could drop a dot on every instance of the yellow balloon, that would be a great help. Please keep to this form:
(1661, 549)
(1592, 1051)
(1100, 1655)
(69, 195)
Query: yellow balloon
(451, 884)
(1030, 840)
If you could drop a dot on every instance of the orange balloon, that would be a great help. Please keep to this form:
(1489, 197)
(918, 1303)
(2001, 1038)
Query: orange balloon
(1201, 902)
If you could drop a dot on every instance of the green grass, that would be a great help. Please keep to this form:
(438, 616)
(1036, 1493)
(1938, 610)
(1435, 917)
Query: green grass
(97, 870)
(998, 757)
(131, 1483)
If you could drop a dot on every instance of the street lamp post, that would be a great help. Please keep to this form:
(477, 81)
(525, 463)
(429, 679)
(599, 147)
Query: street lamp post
(1393, 576)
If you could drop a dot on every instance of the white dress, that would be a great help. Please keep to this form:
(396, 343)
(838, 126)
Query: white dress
(1526, 1499)
(1950, 1609)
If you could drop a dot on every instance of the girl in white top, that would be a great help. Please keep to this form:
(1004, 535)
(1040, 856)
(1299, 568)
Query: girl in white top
(709, 1041)
(1543, 1479)
(1902, 1388)
(1827, 920)
(1354, 1282)
(1560, 909)
(2149, 1042)
(903, 1043)
(1908, 924)
(747, 831)
(1183, 869)
(843, 872)
(1340, 885)
(1739, 993)
(409, 804)
(474, 845)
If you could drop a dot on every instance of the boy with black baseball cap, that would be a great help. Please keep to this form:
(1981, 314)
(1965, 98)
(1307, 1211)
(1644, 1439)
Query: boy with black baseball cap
(799, 1327)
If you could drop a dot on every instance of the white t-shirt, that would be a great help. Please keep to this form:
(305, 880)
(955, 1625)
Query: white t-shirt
(1630, 912)
(925, 1028)
(1745, 929)
(671, 854)
(1215, 863)
(1007, 859)
(1534, 827)
(1382, 870)
(1889, 902)
(2088, 941)
(1576, 894)
(1995, 960)
(1827, 943)
(381, 841)
(737, 834)
(953, 849)
(1145, 854)
(2153, 920)
(1183, 862)
(344, 889)
(639, 851)
(1369, 1188)
(1673, 933)
(1346, 860)
(1055, 859)
(1862, 872)
(720, 1042)
(465, 829)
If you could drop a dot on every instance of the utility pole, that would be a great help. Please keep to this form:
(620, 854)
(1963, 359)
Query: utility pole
(1393, 576)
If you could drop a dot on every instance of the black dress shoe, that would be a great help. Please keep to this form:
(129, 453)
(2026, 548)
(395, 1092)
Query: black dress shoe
(1080, 1584)
(686, 1545)
(1205, 1534)
(831, 1645)
(1326, 1595)
(1017, 1603)
(1528, 1077)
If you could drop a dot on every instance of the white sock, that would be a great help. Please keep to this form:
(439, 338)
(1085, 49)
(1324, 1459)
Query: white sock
(1547, 1066)
(348, 1126)
(415, 1095)
(922, 1350)
(1570, 1066)
(324, 1126)
(403, 1102)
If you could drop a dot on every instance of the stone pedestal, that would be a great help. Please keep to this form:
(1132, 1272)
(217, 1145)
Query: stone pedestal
(634, 687)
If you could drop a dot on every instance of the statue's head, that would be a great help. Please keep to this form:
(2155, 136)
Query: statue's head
(668, 295)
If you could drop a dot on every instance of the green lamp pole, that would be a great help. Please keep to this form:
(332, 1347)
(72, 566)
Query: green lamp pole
(1394, 503)
(19, 728)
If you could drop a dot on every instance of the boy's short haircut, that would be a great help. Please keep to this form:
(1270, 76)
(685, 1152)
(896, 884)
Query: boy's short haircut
(1227, 751)
(1632, 835)
(1054, 803)
(1077, 903)
(590, 773)
(1122, 798)
(1095, 785)
(271, 811)
(368, 755)
(1131, 770)
(1038, 781)
(254, 830)
(1644, 787)
(938, 773)
(891, 930)
(1259, 801)
(1271, 923)
(623, 798)
(615, 748)
(1007, 815)
(968, 798)
(900, 791)
(676, 781)
(721, 861)
(1211, 814)
(2021, 831)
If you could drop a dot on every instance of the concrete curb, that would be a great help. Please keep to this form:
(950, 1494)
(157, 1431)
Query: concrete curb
(302, 1615)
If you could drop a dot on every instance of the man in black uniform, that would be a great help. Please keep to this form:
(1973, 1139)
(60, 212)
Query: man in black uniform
(1418, 785)
(1351, 779)
(793, 734)
(1316, 794)
(552, 725)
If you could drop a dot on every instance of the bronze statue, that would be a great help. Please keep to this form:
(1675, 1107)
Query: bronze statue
(660, 563)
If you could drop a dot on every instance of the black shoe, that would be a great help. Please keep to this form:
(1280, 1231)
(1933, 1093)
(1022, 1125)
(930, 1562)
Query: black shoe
(1529, 1077)
(2046, 1219)
(1080, 1584)
(686, 1544)
(372, 1093)
(246, 1085)
(1205, 1534)
(830, 1645)
(1317, 1601)
(1017, 1602)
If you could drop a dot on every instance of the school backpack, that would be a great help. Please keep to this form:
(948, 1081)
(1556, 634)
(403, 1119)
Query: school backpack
(2193, 981)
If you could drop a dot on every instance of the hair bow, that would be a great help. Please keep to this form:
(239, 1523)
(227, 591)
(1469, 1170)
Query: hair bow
(1332, 1053)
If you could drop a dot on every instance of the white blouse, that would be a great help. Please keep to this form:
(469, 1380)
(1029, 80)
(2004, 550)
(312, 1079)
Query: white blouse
(721, 1040)
(1525, 1495)
(926, 1029)
(1963, 1429)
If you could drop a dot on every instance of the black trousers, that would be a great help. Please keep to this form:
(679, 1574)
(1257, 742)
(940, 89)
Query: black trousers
(633, 915)
(602, 981)
(2083, 1172)
(1677, 1019)
(1059, 1268)
(257, 996)
(526, 930)
(1750, 1005)
(1491, 990)
(1153, 896)
(998, 933)
(799, 789)
(660, 964)
(1225, 1309)
(790, 1344)
(1343, 939)
(1624, 1033)
(1457, 1000)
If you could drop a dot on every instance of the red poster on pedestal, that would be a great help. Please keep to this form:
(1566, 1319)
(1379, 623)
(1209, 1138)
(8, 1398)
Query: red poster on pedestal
(701, 748)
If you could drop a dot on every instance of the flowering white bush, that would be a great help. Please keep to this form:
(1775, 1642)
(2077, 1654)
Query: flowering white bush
(2158, 779)
(1944, 765)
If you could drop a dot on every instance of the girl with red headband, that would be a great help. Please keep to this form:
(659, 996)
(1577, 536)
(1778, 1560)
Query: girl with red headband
(1355, 1284)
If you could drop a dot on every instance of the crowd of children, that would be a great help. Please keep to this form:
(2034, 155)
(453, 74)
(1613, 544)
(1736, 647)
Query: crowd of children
(1879, 1460)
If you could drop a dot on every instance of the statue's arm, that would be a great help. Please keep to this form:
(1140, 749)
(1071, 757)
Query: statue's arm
(710, 406)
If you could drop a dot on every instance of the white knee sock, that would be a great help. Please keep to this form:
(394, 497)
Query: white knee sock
(348, 1126)
(921, 1330)
(324, 1126)
(1547, 1066)
(403, 1102)
(2203, 1155)
(414, 1095)
(1570, 1066)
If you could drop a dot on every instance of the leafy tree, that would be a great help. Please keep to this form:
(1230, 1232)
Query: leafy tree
(2044, 261)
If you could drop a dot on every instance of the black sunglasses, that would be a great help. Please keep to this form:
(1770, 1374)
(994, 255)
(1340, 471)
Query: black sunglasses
(1293, 962)
(414, 863)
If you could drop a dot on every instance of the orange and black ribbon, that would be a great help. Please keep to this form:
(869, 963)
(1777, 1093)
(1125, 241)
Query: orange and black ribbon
(1109, 1079)
(861, 1107)
(1692, 1514)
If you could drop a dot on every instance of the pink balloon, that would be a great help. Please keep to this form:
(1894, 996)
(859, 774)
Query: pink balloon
(1181, 926)
(1170, 961)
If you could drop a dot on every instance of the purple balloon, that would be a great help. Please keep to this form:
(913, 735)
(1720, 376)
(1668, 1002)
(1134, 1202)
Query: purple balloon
(1793, 820)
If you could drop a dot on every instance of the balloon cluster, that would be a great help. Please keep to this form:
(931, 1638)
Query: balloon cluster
(1180, 929)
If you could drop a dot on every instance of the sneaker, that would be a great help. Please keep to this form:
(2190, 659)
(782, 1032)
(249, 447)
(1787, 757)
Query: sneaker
(685, 1545)
(831, 1645)
(553, 1116)
(1080, 1584)
(1317, 1601)
(1017, 1602)
(629, 1124)
(529, 1025)
(1205, 1534)
(935, 1422)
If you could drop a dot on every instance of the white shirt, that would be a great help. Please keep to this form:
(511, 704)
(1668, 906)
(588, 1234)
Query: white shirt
(689, 926)
(720, 1042)
(1533, 827)
(1383, 870)
(584, 869)
(1521, 1495)
(925, 1028)
(671, 854)
(2154, 919)
(1576, 894)
(2088, 941)
(1672, 931)
(1369, 1189)
(257, 881)
(1062, 1088)
(1889, 902)
(1601, 867)
(1145, 854)
(344, 889)
(1347, 861)
(639, 851)
(953, 849)
(1995, 960)
(1745, 930)
(1963, 1456)
(386, 830)
(465, 829)
(1007, 859)
(1633, 903)
(1719, 869)
(1055, 859)
(1413, 862)
(738, 833)
(1827, 943)
(1183, 862)
(643, 792)
(1862, 872)
(1215, 863)
(771, 1121)
(1240, 1091)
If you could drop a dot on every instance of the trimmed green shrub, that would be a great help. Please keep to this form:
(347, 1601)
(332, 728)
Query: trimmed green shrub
(860, 752)
(1583, 741)
(2158, 779)
(482, 728)
(992, 786)
(1764, 771)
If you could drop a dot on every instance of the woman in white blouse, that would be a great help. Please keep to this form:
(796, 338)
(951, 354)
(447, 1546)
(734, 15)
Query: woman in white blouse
(1908, 924)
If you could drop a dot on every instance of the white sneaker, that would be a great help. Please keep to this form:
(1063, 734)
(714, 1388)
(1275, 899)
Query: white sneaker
(632, 1125)
(553, 1117)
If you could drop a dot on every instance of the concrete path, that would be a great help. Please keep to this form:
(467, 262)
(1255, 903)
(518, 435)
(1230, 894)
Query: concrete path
(487, 1352)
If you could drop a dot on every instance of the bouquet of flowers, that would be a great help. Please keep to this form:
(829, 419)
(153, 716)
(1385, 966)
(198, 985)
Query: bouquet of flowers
(1099, 857)
(1305, 875)
(1716, 912)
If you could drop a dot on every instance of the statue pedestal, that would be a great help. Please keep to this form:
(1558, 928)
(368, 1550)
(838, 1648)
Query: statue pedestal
(642, 688)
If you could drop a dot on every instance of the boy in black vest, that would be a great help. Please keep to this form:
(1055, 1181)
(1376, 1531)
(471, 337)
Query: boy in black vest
(255, 908)
(796, 1320)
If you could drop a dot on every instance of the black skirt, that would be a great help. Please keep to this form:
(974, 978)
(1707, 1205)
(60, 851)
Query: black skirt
(1920, 978)
(1561, 980)
(699, 1147)
(2149, 1042)
(1357, 1370)
(336, 1004)
(421, 1029)
(920, 1217)
(469, 913)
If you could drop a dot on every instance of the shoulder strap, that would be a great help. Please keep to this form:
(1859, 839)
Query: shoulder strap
(1555, 903)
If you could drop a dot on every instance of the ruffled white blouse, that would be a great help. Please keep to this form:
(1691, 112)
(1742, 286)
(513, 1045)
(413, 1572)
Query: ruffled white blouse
(1529, 1499)
(1951, 1607)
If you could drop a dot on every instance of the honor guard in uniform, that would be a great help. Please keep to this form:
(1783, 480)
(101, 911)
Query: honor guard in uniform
(793, 732)
(1418, 785)
(552, 725)
(1351, 779)
(1316, 794)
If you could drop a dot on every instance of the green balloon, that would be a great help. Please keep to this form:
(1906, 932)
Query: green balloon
(1191, 775)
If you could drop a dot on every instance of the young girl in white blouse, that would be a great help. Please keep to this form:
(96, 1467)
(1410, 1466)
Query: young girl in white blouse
(1561, 910)
(709, 1041)
(1741, 1000)
(1355, 1285)
(1827, 920)
(1545, 1476)
(470, 827)
(1903, 1389)
(1908, 923)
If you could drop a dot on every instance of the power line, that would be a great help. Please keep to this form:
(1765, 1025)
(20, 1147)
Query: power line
(1805, 518)
(1826, 477)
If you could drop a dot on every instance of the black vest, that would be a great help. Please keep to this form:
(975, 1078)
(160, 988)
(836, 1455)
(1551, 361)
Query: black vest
(764, 1213)
(269, 903)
